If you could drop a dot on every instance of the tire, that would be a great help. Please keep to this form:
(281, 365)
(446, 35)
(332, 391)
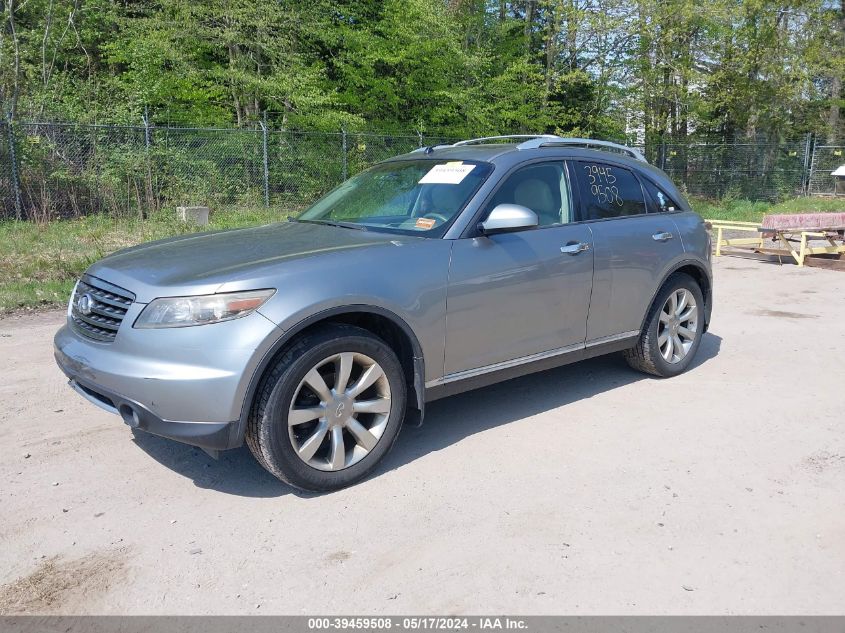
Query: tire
(649, 355)
(286, 394)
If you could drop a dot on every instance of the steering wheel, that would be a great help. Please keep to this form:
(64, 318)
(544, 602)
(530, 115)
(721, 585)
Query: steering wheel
(436, 216)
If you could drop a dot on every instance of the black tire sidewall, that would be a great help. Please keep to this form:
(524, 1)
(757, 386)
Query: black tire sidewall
(278, 448)
(676, 282)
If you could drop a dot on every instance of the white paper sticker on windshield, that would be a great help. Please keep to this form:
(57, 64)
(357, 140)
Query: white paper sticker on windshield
(448, 174)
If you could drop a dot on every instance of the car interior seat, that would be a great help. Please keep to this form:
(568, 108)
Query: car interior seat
(538, 195)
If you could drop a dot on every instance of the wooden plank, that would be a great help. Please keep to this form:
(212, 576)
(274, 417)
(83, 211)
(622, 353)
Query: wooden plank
(774, 251)
(734, 241)
(830, 263)
(730, 223)
(772, 258)
(818, 250)
(804, 221)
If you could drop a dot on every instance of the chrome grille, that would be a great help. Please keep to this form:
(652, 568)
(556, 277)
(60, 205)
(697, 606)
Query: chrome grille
(106, 307)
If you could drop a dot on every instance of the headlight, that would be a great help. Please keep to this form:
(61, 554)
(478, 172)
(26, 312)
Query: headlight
(202, 309)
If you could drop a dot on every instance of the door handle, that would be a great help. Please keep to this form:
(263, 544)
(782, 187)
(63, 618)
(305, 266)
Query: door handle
(662, 237)
(574, 248)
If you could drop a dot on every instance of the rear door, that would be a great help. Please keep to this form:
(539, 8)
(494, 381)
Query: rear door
(513, 295)
(633, 246)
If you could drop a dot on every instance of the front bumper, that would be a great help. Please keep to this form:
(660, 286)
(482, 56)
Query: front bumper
(186, 384)
(208, 435)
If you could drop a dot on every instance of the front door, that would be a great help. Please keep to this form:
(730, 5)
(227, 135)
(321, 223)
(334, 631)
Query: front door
(512, 295)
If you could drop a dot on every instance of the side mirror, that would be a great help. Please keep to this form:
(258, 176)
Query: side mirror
(505, 218)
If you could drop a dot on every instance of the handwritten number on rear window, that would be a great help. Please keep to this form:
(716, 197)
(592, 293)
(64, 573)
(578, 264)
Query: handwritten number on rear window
(603, 185)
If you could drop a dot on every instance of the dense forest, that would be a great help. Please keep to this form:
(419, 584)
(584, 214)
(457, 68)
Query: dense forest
(634, 70)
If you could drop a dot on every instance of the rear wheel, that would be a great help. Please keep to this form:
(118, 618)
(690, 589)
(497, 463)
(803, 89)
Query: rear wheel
(329, 410)
(673, 329)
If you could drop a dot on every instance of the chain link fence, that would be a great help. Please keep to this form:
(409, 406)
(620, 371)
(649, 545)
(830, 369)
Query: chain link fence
(57, 170)
(826, 159)
(67, 170)
(751, 171)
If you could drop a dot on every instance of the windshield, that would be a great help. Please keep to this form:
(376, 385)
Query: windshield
(415, 196)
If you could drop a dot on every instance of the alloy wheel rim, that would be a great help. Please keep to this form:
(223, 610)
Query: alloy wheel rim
(339, 411)
(678, 326)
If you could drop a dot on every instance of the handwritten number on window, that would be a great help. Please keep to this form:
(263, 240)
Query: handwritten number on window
(602, 185)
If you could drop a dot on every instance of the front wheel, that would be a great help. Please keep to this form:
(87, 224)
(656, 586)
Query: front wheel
(673, 329)
(329, 410)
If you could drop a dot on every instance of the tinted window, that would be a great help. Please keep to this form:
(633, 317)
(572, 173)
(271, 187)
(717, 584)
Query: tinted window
(543, 188)
(658, 201)
(608, 191)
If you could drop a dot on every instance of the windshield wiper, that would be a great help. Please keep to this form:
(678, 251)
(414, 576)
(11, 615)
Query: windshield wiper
(344, 225)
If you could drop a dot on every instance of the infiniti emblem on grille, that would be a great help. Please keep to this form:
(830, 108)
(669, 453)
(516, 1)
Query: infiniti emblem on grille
(340, 409)
(85, 304)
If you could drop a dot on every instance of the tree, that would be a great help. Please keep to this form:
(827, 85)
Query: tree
(653, 70)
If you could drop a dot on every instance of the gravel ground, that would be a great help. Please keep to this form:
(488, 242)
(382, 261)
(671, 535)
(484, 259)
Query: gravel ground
(586, 489)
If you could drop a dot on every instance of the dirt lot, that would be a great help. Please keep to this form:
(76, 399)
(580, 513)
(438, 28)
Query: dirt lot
(587, 489)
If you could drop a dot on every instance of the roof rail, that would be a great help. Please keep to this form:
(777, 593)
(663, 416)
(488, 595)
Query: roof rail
(535, 141)
(477, 141)
(587, 143)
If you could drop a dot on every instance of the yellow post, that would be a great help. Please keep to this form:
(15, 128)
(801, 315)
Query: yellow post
(719, 243)
(803, 250)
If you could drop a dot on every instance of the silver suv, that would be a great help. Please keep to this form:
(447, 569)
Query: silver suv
(439, 271)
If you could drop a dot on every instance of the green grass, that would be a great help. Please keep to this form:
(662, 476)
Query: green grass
(748, 211)
(41, 262)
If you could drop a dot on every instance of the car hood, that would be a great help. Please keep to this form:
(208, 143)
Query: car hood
(202, 263)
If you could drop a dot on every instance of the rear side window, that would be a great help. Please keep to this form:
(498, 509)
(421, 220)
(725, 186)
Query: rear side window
(658, 200)
(608, 191)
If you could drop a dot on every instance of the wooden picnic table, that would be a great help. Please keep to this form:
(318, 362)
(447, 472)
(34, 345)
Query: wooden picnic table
(786, 230)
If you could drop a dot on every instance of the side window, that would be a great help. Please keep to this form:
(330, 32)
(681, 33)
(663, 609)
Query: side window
(658, 201)
(608, 191)
(543, 188)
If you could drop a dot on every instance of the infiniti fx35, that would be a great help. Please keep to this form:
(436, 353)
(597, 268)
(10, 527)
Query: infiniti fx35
(435, 272)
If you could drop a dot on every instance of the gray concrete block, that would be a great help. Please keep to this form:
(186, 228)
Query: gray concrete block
(196, 215)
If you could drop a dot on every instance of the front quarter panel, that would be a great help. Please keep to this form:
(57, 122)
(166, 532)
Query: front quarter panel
(407, 278)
